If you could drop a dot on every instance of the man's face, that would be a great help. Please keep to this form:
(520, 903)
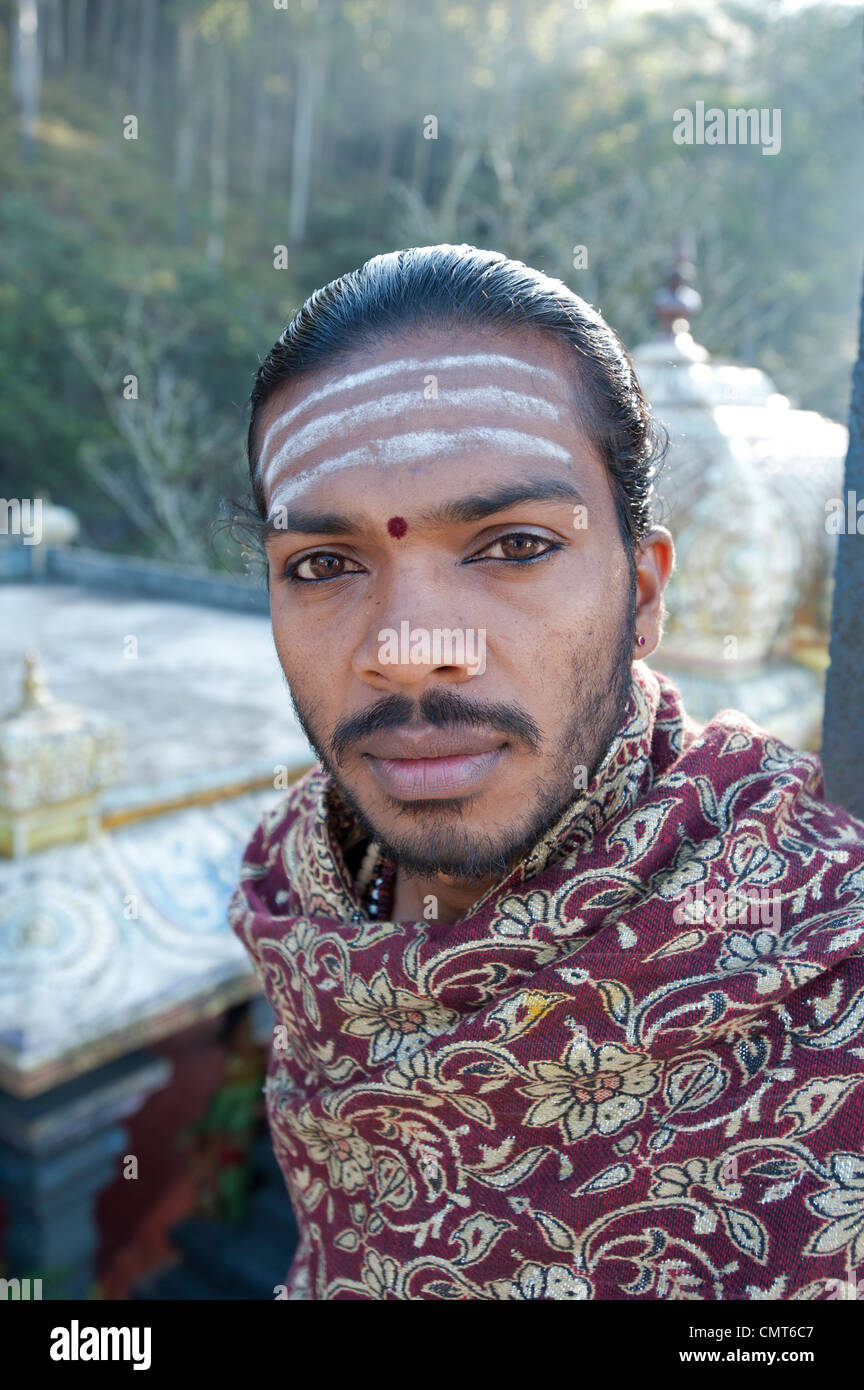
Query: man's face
(451, 599)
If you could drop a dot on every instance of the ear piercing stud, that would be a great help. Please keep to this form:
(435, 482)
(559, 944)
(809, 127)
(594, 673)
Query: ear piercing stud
(641, 641)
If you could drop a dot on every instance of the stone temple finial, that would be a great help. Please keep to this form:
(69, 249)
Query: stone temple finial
(677, 302)
(34, 693)
(55, 761)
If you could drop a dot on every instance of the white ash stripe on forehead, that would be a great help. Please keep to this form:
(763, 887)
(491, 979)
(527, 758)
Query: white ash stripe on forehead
(401, 448)
(384, 407)
(426, 365)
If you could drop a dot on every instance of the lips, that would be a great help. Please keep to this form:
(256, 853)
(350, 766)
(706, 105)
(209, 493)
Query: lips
(415, 764)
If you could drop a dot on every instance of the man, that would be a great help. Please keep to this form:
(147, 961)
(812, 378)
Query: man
(569, 990)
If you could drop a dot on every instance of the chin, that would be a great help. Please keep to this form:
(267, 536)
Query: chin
(457, 848)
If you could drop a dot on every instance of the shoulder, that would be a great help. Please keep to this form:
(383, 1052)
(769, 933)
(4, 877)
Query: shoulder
(301, 802)
(754, 787)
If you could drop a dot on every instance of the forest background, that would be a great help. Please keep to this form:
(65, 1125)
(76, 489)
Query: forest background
(277, 145)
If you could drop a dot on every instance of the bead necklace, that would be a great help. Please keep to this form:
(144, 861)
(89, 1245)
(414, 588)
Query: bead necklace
(378, 875)
(380, 904)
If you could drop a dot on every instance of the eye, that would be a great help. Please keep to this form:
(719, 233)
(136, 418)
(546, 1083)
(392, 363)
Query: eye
(323, 565)
(518, 546)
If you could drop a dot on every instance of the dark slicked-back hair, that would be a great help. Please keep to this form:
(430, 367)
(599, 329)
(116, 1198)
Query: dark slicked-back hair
(461, 287)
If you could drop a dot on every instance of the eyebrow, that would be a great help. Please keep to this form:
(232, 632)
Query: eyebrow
(475, 507)
(479, 505)
(309, 524)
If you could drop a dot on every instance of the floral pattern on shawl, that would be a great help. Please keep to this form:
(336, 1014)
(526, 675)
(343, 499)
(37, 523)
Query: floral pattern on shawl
(591, 1086)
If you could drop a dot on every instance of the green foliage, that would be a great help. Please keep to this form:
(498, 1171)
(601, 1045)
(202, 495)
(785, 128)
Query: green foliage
(155, 256)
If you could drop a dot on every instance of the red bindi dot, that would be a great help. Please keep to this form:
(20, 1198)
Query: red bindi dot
(397, 526)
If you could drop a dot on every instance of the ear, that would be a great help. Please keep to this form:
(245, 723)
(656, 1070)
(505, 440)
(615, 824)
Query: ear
(655, 557)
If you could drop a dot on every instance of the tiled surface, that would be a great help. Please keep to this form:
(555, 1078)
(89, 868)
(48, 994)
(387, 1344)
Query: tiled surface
(97, 940)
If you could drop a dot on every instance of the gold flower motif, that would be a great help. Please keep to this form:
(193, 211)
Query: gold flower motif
(348, 1157)
(591, 1088)
(843, 1203)
(381, 1276)
(395, 1019)
(536, 1281)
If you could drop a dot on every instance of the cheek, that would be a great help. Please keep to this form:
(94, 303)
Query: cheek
(543, 626)
(571, 637)
(312, 661)
(291, 638)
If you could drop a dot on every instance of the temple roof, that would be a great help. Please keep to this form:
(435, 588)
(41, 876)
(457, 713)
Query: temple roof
(121, 938)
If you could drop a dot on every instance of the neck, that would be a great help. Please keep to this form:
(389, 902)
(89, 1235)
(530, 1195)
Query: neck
(436, 899)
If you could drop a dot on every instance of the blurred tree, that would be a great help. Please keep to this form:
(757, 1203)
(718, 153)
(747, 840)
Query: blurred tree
(306, 126)
(27, 71)
(164, 479)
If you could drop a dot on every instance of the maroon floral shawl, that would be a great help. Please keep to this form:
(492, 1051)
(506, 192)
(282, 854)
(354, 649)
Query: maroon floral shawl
(607, 1081)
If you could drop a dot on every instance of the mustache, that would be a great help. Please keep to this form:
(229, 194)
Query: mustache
(440, 708)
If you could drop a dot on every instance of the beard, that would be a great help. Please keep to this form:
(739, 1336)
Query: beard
(432, 838)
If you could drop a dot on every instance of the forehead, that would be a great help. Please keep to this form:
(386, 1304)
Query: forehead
(408, 406)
